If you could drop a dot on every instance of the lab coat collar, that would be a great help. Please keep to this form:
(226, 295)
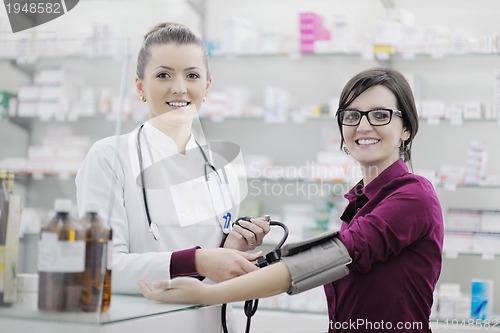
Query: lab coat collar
(167, 144)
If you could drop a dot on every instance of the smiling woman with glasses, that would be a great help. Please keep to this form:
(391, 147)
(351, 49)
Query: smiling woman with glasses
(392, 227)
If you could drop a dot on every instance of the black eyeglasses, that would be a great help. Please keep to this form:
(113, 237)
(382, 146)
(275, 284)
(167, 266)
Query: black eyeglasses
(376, 117)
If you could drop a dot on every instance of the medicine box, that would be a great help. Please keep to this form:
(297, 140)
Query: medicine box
(481, 299)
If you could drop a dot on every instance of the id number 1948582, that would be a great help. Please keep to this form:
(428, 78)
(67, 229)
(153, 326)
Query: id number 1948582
(34, 7)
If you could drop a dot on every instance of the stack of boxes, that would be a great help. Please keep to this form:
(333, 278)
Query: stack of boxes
(475, 165)
(389, 32)
(473, 172)
(472, 231)
(239, 36)
(312, 29)
(47, 97)
(61, 153)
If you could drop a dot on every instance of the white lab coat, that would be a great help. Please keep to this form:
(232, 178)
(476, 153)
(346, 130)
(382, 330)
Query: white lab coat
(113, 184)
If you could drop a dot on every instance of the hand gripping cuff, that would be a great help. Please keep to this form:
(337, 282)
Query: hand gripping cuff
(315, 261)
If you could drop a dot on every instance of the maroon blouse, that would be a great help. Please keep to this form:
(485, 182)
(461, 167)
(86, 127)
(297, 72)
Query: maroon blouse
(393, 230)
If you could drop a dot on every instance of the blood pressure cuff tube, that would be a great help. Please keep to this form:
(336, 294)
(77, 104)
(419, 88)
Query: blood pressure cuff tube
(315, 261)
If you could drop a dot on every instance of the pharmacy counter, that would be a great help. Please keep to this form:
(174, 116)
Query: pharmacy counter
(127, 314)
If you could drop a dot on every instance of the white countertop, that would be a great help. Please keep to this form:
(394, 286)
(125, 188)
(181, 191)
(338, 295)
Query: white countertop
(126, 314)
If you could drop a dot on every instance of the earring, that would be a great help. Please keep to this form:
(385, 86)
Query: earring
(346, 151)
(143, 98)
(204, 99)
(403, 148)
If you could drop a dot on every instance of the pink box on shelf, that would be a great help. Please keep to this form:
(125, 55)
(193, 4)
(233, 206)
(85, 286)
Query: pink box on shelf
(310, 26)
(310, 16)
(323, 34)
(307, 37)
(307, 47)
(311, 30)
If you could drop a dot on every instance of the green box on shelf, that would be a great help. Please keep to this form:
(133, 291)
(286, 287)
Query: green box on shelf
(4, 101)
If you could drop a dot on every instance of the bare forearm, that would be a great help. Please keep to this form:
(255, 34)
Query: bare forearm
(264, 282)
(268, 281)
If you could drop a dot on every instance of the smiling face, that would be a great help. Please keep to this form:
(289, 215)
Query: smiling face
(175, 82)
(375, 147)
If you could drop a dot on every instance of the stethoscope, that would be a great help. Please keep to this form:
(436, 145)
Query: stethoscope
(208, 170)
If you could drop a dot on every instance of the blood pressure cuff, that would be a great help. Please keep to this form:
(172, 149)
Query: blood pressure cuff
(315, 261)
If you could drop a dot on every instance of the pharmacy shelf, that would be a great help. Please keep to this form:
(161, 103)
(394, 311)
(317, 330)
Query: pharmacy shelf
(297, 119)
(483, 244)
(82, 64)
(472, 232)
(484, 256)
(25, 121)
(453, 187)
(26, 51)
(287, 120)
(359, 55)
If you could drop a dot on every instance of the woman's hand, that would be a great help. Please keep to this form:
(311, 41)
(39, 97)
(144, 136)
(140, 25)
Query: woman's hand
(180, 290)
(248, 235)
(223, 264)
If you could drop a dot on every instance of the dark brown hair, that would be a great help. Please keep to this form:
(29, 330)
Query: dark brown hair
(395, 82)
(166, 33)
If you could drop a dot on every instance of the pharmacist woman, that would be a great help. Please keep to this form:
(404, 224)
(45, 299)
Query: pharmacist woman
(160, 230)
(392, 227)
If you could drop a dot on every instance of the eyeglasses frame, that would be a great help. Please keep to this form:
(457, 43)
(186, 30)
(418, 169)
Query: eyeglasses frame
(365, 113)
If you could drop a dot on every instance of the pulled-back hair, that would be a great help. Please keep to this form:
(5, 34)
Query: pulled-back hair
(166, 33)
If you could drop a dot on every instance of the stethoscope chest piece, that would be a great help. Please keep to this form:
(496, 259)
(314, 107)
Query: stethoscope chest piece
(154, 230)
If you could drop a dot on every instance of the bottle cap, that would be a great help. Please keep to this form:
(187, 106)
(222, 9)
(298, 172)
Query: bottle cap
(91, 207)
(10, 180)
(3, 173)
(62, 205)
